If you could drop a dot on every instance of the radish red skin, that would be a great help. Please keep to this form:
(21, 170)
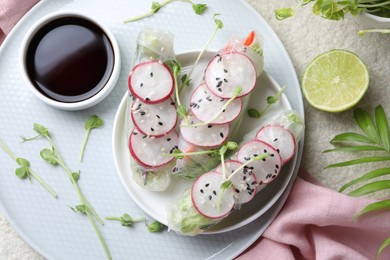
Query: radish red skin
(288, 132)
(245, 91)
(143, 99)
(138, 160)
(227, 192)
(137, 124)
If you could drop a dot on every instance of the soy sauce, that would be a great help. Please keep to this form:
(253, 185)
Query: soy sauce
(70, 59)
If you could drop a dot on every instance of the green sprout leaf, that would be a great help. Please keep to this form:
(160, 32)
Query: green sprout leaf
(22, 172)
(199, 8)
(22, 162)
(253, 113)
(80, 208)
(283, 13)
(126, 220)
(156, 6)
(48, 155)
(156, 226)
(92, 123)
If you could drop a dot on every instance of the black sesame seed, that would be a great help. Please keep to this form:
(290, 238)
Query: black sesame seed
(276, 139)
(276, 166)
(173, 103)
(209, 98)
(147, 99)
(152, 129)
(247, 158)
(158, 116)
(209, 126)
(201, 191)
(278, 150)
(142, 113)
(135, 133)
(225, 80)
(219, 89)
(151, 74)
(214, 192)
(169, 139)
(221, 135)
(225, 70)
(141, 85)
(217, 79)
(207, 184)
(160, 123)
(237, 190)
(210, 197)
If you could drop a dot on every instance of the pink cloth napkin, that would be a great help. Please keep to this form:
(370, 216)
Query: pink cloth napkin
(10, 13)
(316, 223)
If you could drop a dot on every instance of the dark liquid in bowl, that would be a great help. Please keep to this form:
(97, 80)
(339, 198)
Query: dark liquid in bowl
(70, 59)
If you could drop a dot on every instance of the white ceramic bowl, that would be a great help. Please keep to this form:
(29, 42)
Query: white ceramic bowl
(107, 84)
(370, 21)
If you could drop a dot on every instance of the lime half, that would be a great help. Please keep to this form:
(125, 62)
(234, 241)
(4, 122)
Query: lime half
(335, 81)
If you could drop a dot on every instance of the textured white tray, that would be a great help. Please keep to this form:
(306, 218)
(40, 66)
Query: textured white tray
(48, 224)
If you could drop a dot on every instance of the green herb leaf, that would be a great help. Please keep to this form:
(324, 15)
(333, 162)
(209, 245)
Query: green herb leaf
(226, 185)
(48, 155)
(370, 175)
(360, 161)
(253, 113)
(199, 8)
(232, 145)
(351, 137)
(366, 123)
(80, 208)
(155, 7)
(156, 226)
(22, 172)
(383, 126)
(370, 188)
(283, 13)
(76, 176)
(22, 162)
(379, 205)
(40, 129)
(218, 22)
(91, 123)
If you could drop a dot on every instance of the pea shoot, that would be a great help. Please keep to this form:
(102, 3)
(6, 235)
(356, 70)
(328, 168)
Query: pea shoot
(128, 221)
(92, 123)
(24, 170)
(198, 9)
(52, 156)
(254, 113)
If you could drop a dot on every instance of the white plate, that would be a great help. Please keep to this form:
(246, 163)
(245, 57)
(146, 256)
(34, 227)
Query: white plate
(51, 227)
(157, 203)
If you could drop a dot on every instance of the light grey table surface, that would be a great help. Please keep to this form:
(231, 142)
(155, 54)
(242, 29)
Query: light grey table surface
(305, 36)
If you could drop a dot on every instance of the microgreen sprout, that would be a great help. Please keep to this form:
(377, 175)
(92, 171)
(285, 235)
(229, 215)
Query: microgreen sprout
(212, 152)
(336, 10)
(382, 31)
(176, 69)
(52, 156)
(228, 183)
(199, 9)
(185, 80)
(155, 227)
(126, 220)
(25, 171)
(92, 122)
(236, 92)
(270, 101)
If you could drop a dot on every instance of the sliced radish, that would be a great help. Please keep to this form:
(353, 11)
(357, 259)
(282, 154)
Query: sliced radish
(149, 151)
(208, 197)
(205, 106)
(203, 135)
(279, 138)
(266, 169)
(151, 81)
(244, 182)
(154, 119)
(227, 71)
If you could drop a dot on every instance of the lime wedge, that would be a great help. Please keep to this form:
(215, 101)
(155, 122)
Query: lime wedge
(335, 81)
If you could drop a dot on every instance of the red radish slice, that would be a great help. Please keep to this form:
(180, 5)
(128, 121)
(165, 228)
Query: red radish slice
(151, 81)
(149, 151)
(266, 169)
(206, 196)
(227, 71)
(205, 135)
(154, 119)
(279, 138)
(244, 182)
(205, 106)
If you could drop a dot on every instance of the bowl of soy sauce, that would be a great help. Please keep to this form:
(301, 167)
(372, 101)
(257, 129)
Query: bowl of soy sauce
(70, 60)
